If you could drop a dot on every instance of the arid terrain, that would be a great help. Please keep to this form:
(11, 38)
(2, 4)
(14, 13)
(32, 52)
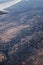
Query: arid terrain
(21, 35)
